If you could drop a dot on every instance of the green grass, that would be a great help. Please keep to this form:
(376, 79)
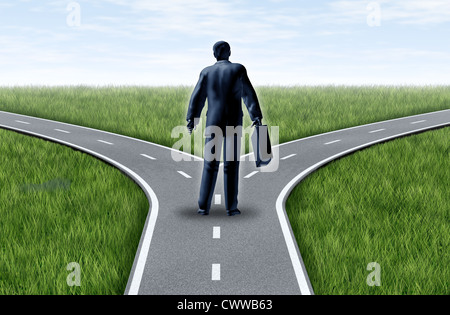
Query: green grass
(43, 230)
(388, 204)
(150, 113)
(59, 206)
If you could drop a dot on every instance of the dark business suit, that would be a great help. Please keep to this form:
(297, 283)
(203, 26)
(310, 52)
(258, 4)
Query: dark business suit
(225, 85)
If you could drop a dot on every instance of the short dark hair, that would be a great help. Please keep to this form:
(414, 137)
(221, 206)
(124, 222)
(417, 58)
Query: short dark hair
(221, 48)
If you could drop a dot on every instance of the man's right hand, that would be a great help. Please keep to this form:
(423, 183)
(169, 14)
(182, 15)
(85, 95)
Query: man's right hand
(190, 126)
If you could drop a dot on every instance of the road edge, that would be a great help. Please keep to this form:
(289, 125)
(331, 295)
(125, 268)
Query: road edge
(291, 242)
(140, 259)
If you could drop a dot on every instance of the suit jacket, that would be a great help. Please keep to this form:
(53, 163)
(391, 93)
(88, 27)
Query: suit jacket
(225, 85)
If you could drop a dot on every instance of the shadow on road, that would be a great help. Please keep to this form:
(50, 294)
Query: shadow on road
(190, 213)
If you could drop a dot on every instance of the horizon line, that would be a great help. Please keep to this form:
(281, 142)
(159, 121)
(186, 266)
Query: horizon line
(111, 85)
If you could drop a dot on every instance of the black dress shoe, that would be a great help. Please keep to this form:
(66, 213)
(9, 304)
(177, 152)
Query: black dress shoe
(202, 212)
(233, 212)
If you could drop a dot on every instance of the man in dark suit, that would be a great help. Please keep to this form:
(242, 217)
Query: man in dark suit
(225, 85)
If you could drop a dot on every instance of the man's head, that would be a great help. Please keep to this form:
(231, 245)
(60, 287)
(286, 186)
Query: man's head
(222, 50)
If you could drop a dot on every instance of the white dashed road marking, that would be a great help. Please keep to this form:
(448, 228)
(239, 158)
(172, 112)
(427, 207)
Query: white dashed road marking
(23, 122)
(148, 157)
(184, 174)
(418, 122)
(215, 272)
(379, 130)
(335, 141)
(216, 232)
(289, 156)
(251, 174)
(63, 131)
(105, 142)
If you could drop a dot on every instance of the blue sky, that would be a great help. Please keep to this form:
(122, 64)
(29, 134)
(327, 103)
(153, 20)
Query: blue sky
(281, 42)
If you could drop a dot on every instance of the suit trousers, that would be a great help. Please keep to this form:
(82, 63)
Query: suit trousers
(231, 156)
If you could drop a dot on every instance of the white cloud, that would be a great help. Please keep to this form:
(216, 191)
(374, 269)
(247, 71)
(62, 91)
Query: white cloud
(169, 42)
(198, 18)
(397, 11)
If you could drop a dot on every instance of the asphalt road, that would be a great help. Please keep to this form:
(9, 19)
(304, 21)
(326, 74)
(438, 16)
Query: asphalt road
(183, 253)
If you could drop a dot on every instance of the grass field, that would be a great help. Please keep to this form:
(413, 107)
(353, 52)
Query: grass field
(150, 113)
(59, 206)
(41, 219)
(388, 204)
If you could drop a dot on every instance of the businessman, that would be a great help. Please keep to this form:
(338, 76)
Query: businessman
(225, 85)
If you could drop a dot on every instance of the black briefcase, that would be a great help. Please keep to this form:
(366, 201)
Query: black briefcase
(262, 148)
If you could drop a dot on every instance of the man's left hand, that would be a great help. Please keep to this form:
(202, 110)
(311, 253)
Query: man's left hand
(190, 126)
